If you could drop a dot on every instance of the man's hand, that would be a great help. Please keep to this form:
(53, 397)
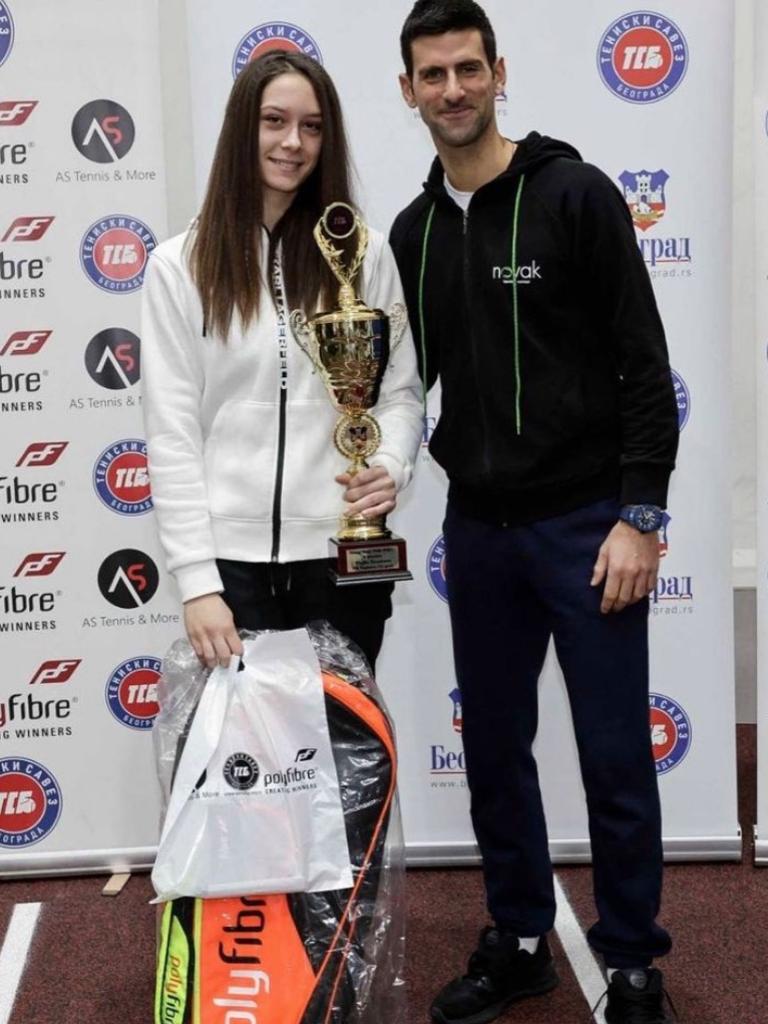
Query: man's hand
(211, 630)
(628, 561)
(371, 492)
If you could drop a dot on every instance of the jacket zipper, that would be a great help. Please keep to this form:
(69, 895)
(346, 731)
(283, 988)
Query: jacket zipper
(481, 404)
(282, 345)
(278, 495)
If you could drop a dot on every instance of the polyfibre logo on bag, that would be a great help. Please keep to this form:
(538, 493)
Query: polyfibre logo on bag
(642, 57)
(273, 35)
(670, 732)
(30, 802)
(131, 692)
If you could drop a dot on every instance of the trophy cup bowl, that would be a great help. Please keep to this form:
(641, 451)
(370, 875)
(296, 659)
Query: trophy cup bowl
(350, 349)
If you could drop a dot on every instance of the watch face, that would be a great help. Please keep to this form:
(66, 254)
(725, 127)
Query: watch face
(648, 519)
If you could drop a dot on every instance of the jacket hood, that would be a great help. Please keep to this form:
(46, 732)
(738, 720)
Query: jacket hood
(532, 153)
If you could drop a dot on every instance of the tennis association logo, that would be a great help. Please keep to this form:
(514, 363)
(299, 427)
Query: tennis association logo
(642, 57)
(682, 397)
(121, 478)
(114, 253)
(131, 692)
(6, 32)
(436, 568)
(30, 802)
(670, 732)
(273, 35)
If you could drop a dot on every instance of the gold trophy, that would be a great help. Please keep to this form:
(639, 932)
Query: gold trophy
(350, 348)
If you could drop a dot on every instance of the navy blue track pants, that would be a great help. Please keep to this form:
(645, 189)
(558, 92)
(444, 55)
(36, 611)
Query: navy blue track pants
(510, 589)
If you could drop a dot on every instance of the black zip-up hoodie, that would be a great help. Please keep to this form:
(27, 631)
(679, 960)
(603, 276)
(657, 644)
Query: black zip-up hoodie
(536, 311)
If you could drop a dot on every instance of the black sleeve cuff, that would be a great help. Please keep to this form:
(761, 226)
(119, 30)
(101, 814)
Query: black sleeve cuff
(644, 484)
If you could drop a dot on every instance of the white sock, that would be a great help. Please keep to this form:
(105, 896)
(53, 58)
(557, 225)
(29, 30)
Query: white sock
(530, 945)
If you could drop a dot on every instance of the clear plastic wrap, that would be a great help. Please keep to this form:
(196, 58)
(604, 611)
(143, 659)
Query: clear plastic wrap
(308, 958)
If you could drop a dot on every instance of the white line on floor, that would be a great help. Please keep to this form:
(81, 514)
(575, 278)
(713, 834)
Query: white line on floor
(585, 967)
(13, 955)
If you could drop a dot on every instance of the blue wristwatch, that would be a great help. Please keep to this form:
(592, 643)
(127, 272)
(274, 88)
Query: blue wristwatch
(645, 518)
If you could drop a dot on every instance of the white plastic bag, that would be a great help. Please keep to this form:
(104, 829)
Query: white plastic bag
(255, 805)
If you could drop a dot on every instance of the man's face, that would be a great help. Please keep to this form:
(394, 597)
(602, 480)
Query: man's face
(453, 86)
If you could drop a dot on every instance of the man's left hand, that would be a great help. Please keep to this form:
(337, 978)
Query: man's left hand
(628, 561)
(371, 492)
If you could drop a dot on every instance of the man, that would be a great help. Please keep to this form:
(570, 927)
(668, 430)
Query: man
(558, 432)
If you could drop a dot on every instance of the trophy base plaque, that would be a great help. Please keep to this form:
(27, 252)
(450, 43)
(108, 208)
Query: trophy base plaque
(368, 561)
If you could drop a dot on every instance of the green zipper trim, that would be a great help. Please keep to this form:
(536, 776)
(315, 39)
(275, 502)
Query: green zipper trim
(422, 330)
(515, 315)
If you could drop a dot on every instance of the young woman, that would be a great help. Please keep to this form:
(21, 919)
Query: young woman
(246, 482)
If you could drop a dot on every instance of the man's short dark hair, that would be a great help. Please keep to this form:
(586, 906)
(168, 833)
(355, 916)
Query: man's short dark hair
(433, 17)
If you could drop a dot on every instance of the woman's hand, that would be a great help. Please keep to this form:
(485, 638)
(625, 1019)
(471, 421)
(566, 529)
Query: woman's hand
(211, 629)
(371, 492)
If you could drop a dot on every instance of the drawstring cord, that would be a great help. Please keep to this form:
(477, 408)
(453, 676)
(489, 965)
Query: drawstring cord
(422, 330)
(515, 313)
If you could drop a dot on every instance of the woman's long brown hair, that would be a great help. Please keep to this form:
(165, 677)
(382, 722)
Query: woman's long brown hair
(225, 252)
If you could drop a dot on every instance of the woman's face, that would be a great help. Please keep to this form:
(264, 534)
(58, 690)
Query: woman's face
(290, 133)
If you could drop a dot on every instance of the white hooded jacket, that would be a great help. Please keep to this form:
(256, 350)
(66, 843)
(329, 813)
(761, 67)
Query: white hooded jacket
(241, 456)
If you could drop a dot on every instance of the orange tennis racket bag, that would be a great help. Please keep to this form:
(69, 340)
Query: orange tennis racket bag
(303, 958)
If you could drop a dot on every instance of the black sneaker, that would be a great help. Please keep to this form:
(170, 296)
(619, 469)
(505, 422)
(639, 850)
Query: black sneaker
(637, 997)
(498, 974)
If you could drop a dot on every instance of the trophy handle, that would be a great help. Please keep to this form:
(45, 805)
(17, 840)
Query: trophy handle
(304, 335)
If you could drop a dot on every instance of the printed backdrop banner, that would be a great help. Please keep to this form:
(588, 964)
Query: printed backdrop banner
(85, 612)
(632, 89)
(761, 328)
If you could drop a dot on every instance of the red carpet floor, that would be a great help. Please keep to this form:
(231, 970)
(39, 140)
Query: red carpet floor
(92, 958)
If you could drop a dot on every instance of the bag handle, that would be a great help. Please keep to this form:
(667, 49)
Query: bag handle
(203, 736)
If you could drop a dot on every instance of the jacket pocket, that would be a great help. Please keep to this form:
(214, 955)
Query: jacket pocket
(240, 460)
(311, 462)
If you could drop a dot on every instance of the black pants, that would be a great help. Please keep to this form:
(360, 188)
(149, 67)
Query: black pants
(509, 591)
(273, 595)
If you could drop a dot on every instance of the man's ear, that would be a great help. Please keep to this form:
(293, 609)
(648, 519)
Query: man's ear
(499, 75)
(406, 88)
